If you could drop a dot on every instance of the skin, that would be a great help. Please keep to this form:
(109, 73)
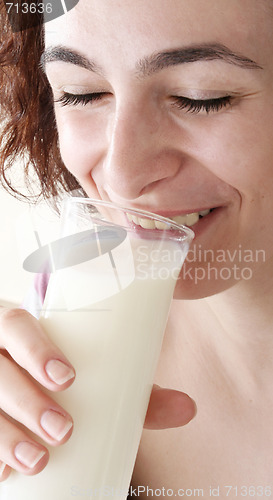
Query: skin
(201, 159)
(135, 147)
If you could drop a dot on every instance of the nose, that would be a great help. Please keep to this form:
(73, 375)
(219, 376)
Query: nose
(139, 154)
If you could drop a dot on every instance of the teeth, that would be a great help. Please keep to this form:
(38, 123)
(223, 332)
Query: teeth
(180, 219)
(204, 212)
(147, 223)
(186, 220)
(191, 219)
(135, 219)
(161, 225)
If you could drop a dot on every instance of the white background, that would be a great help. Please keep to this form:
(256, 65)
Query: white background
(14, 281)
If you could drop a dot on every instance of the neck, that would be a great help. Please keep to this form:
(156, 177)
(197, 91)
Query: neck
(235, 326)
(245, 311)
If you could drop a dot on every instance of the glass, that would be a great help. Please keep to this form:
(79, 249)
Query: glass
(114, 271)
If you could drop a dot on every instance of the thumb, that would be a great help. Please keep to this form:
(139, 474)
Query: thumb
(169, 408)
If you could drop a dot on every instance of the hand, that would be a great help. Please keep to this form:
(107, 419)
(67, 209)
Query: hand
(27, 356)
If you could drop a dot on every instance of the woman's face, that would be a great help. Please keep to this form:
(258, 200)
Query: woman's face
(167, 106)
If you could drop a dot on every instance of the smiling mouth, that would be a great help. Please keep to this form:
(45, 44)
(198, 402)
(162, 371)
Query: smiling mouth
(188, 220)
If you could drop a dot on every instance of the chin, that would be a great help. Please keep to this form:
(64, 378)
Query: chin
(198, 285)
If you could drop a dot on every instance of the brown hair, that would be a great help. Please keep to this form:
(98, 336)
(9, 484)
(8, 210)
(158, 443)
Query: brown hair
(28, 130)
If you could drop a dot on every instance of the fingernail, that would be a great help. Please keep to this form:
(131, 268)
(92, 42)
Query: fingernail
(28, 454)
(58, 372)
(55, 424)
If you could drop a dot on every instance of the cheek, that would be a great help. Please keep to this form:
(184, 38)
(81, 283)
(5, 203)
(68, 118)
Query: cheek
(81, 141)
(242, 157)
(238, 150)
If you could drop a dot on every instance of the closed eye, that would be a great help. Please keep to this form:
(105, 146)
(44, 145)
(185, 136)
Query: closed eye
(198, 105)
(75, 99)
(193, 106)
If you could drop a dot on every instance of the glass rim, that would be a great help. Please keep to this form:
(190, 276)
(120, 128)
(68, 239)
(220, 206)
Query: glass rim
(185, 231)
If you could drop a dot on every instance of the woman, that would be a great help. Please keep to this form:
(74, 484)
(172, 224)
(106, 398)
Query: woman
(163, 106)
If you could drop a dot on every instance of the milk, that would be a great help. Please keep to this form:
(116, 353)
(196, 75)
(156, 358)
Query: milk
(114, 345)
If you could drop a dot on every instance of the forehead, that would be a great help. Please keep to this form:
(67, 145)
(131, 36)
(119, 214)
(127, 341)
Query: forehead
(117, 30)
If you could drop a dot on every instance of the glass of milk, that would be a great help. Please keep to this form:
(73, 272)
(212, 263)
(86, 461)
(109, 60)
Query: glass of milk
(114, 273)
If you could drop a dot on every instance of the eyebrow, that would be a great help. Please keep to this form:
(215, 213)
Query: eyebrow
(194, 53)
(158, 61)
(64, 54)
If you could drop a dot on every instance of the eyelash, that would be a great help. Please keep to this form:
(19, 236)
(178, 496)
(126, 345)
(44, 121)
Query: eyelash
(193, 106)
(198, 105)
(75, 99)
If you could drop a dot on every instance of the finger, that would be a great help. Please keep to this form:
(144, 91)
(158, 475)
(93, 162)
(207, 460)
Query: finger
(169, 408)
(19, 451)
(27, 343)
(4, 471)
(22, 399)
